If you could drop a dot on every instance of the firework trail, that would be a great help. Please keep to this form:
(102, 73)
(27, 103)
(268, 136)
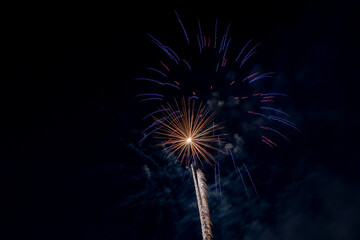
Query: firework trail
(183, 116)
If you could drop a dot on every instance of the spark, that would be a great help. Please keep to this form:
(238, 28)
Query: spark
(199, 42)
(251, 180)
(150, 99)
(215, 33)
(232, 157)
(215, 178)
(269, 141)
(226, 48)
(157, 82)
(201, 39)
(242, 179)
(165, 49)
(248, 55)
(279, 134)
(265, 75)
(242, 50)
(187, 39)
(158, 71)
(149, 94)
(276, 110)
(187, 64)
(219, 182)
(161, 110)
(165, 66)
(250, 76)
(277, 94)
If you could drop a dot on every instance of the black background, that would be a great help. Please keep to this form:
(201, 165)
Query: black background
(71, 164)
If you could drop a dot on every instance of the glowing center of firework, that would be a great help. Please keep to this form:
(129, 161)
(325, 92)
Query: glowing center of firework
(189, 140)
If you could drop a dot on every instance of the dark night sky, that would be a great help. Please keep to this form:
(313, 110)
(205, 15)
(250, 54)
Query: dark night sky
(71, 164)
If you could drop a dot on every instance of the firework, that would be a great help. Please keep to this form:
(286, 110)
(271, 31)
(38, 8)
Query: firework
(188, 132)
(210, 63)
(209, 71)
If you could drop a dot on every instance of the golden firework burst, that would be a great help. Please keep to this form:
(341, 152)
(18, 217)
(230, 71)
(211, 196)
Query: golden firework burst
(188, 132)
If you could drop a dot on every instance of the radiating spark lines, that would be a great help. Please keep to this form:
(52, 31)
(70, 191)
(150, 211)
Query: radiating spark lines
(189, 134)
